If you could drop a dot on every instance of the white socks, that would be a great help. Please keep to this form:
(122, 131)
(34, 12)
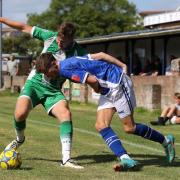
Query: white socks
(19, 135)
(125, 156)
(66, 148)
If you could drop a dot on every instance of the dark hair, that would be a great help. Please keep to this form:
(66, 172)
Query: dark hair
(177, 95)
(44, 61)
(67, 29)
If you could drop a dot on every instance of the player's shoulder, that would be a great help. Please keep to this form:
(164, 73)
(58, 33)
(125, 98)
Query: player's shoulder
(37, 29)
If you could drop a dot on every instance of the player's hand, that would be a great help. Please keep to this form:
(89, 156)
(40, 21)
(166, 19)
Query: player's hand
(124, 69)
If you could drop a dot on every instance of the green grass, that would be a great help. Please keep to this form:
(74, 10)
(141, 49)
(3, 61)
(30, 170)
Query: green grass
(41, 152)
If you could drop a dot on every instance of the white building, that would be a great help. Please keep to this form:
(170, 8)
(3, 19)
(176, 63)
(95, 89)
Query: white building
(161, 19)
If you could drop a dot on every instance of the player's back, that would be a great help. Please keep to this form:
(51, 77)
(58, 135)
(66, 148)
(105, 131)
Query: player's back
(106, 73)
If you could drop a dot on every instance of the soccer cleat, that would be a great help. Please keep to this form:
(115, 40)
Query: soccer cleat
(71, 164)
(128, 163)
(160, 122)
(14, 144)
(170, 149)
(125, 165)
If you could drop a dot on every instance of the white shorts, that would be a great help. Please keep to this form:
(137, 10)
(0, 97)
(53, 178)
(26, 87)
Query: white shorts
(121, 98)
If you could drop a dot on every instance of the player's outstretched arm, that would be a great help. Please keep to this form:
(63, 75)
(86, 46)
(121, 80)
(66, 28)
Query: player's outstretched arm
(17, 25)
(110, 59)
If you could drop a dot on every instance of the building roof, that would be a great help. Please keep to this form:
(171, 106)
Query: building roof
(147, 13)
(131, 35)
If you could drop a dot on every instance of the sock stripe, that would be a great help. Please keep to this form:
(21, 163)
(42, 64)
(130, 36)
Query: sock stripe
(110, 138)
(113, 142)
(149, 133)
(145, 136)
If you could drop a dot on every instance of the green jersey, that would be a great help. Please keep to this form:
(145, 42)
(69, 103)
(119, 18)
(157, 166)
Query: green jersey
(50, 45)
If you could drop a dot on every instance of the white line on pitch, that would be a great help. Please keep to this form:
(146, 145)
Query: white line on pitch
(96, 134)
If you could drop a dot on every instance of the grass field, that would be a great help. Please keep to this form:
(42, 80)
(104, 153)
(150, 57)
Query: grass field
(41, 151)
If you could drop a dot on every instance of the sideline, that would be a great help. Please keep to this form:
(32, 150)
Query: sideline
(97, 135)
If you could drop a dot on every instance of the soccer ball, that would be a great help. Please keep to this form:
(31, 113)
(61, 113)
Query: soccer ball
(10, 159)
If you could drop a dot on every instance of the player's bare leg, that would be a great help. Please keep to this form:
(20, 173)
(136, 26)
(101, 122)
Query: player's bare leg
(62, 113)
(23, 107)
(104, 118)
(148, 133)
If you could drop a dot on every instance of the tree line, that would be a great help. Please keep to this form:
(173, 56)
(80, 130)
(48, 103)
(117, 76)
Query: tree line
(91, 18)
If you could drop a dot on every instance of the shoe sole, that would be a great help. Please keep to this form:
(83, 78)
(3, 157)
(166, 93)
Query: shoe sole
(73, 167)
(119, 168)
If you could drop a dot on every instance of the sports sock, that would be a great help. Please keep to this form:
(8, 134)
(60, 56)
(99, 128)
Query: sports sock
(113, 141)
(125, 156)
(19, 130)
(20, 135)
(66, 131)
(148, 133)
(173, 120)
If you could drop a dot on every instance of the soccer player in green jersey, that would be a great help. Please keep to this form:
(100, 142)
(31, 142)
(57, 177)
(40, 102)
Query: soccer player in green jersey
(40, 89)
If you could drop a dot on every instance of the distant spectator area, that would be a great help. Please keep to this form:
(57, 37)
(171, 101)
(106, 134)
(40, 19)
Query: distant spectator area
(24, 63)
(146, 52)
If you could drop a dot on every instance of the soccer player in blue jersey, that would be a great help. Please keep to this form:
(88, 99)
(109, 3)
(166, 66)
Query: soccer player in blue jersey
(116, 95)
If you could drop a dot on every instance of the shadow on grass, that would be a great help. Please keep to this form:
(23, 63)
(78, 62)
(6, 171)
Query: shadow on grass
(21, 168)
(42, 159)
(156, 160)
(92, 159)
(143, 159)
(25, 168)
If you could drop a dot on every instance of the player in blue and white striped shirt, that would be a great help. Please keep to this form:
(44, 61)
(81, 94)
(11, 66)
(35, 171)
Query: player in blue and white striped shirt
(117, 95)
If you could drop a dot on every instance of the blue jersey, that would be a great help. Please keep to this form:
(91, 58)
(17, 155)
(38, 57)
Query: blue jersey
(77, 69)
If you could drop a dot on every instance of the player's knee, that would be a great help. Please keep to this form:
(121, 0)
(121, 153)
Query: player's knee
(66, 113)
(99, 126)
(129, 130)
(20, 115)
(63, 114)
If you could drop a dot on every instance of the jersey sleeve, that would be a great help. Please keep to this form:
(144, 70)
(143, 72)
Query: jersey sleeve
(42, 34)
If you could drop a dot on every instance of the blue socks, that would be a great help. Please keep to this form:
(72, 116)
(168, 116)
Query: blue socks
(113, 141)
(142, 130)
(148, 133)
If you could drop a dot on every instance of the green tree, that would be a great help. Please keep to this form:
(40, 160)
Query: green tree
(22, 44)
(91, 17)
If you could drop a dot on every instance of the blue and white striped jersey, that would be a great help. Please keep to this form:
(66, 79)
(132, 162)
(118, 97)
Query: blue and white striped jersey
(77, 68)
